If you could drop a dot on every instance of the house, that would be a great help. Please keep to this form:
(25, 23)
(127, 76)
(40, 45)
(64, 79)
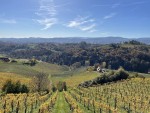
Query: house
(99, 69)
(4, 59)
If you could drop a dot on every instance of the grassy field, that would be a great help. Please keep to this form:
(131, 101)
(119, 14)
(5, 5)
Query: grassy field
(24, 73)
(80, 77)
(61, 105)
(27, 70)
(18, 71)
(75, 77)
(147, 75)
(49, 68)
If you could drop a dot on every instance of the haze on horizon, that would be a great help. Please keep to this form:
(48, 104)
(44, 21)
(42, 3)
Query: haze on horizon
(74, 18)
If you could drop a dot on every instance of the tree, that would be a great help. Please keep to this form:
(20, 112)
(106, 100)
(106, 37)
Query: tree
(83, 45)
(109, 66)
(41, 82)
(87, 63)
(61, 86)
(53, 88)
(33, 62)
(76, 65)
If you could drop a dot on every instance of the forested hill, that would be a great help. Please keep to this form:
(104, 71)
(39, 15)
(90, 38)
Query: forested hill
(93, 40)
(133, 55)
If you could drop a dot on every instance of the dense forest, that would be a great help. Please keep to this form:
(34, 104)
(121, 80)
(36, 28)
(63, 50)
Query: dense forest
(132, 55)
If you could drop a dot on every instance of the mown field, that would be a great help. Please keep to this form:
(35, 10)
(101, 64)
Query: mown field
(18, 71)
(27, 70)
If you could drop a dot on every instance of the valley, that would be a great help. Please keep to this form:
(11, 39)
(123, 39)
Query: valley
(76, 88)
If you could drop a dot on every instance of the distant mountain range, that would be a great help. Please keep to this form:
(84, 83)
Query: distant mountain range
(95, 40)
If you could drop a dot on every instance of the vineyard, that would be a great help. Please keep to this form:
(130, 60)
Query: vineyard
(129, 96)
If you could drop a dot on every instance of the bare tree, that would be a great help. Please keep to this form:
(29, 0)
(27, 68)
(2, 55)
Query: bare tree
(41, 82)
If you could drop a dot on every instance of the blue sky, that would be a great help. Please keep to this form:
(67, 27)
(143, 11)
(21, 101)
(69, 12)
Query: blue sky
(69, 18)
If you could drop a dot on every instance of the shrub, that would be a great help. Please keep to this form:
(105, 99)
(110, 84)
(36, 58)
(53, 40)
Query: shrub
(17, 87)
(10, 87)
(24, 89)
(106, 78)
(120, 74)
(90, 69)
(141, 76)
(111, 72)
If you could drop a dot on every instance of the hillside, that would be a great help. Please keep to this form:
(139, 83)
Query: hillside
(132, 55)
(117, 96)
(26, 70)
(25, 73)
(4, 76)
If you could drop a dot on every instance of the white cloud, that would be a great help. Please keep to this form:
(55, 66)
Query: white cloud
(88, 27)
(47, 13)
(8, 21)
(47, 8)
(111, 15)
(82, 23)
(76, 23)
(47, 23)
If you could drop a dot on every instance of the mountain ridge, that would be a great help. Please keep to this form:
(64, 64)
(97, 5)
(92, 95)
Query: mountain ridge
(93, 40)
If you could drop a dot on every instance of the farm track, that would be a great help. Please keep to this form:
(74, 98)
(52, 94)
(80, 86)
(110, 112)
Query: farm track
(61, 105)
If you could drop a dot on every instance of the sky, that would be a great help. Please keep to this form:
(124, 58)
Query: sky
(74, 18)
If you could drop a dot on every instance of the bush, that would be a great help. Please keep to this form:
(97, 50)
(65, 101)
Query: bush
(54, 88)
(17, 87)
(106, 78)
(111, 72)
(24, 89)
(90, 69)
(120, 74)
(10, 87)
